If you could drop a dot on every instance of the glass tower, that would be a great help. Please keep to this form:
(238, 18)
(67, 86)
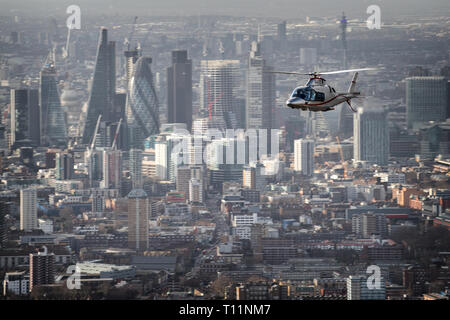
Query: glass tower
(101, 100)
(142, 110)
(53, 120)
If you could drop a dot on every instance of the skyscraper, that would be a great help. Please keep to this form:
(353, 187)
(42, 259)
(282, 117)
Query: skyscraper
(426, 100)
(260, 91)
(64, 165)
(183, 178)
(371, 136)
(281, 31)
(345, 121)
(219, 81)
(4, 210)
(136, 168)
(42, 268)
(112, 169)
(343, 26)
(24, 112)
(304, 156)
(28, 209)
(138, 211)
(195, 191)
(53, 120)
(179, 89)
(142, 110)
(101, 100)
(196, 185)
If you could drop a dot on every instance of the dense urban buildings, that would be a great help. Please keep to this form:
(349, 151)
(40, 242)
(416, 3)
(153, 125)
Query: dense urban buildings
(154, 157)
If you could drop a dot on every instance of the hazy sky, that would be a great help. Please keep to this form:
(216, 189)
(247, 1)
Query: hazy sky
(275, 8)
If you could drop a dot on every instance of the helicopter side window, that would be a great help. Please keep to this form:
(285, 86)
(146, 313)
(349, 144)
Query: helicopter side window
(320, 96)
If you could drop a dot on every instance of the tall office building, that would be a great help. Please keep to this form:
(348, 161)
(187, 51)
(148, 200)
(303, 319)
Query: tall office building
(95, 167)
(179, 89)
(4, 210)
(103, 90)
(112, 169)
(219, 81)
(345, 121)
(196, 185)
(28, 209)
(183, 178)
(24, 126)
(135, 161)
(358, 289)
(261, 95)
(162, 159)
(142, 110)
(64, 165)
(42, 268)
(371, 136)
(253, 177)
(343, 26)
(138, 211)
(304, 156)
(53, 121)
(196, 194)
(281, 31)
(426, 100)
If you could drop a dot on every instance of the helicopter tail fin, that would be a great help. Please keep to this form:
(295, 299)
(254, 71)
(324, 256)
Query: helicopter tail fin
(351, 89)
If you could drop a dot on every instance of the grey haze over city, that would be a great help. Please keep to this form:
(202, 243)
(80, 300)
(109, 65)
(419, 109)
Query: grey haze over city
(285, 9)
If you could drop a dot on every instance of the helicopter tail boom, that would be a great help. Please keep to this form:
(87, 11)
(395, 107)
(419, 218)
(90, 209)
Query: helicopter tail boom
(351, 89)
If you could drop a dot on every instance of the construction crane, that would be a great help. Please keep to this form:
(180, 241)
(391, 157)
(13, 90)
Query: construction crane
(65, 49)
(344, 164)
(92, 145)
(211, 103)
(113, 146)
(130, 36)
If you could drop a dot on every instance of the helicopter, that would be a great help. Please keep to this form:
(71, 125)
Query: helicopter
(319, 96)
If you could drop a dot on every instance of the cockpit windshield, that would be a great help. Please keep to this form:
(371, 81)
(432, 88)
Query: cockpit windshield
(302, 93)
(308, 94)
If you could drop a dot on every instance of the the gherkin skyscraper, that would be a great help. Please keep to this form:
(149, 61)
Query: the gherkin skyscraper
(101, 100)
(142, 110)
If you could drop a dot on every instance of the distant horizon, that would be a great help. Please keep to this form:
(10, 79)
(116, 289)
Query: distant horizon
(282, 9)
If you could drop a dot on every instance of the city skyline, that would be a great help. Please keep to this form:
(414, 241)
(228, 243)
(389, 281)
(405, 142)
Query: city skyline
(286, 151)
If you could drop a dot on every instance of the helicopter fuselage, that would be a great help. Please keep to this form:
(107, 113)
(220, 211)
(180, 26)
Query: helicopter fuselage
(318, 96)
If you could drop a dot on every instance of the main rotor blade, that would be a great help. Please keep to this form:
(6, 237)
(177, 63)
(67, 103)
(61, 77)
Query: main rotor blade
(282, 72)
(349, 70)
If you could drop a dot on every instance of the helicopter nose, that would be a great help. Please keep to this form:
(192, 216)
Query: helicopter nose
(293, 102)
